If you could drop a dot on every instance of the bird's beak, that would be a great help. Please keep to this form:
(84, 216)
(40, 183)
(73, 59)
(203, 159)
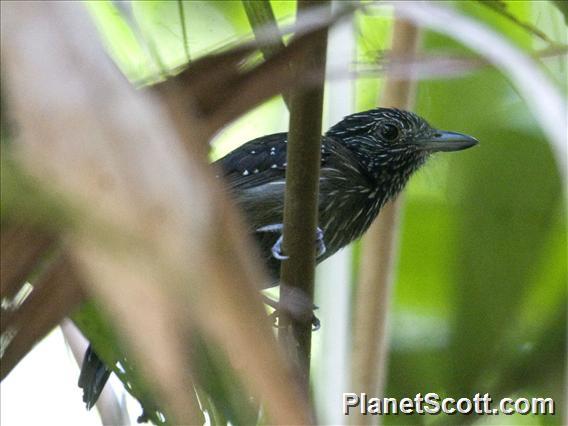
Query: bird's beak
(446, 141)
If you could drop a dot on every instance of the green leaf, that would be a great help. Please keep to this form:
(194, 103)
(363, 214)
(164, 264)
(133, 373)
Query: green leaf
(96, 328)
(562, 6)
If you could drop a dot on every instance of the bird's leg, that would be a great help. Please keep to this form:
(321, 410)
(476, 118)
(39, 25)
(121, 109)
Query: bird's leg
(276, 250)
(299, 310)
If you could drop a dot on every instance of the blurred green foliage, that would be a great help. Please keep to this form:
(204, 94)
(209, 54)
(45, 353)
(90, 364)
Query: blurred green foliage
(92, 322)
(483, 254)
(480, 299)
(480, 296)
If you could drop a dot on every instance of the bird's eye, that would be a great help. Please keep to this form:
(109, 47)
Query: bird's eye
(389, 132)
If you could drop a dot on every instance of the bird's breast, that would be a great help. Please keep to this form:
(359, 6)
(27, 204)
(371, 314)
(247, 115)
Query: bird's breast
(347, 208)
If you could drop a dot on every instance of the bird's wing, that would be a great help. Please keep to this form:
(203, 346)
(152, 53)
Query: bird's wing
(263, 160)
(256, 162)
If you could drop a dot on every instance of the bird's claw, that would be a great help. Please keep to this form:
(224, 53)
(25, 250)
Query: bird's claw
(276, 249)
(320, 243)
(275, 317)
(299, 310)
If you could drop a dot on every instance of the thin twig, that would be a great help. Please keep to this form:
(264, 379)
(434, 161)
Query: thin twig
(334, 277)
(183, 30)
(370, 341)
(301, 198)
(435, 65)
(262, 20)
(501, 8)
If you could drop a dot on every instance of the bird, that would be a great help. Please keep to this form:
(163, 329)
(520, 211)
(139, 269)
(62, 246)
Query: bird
(366, 160)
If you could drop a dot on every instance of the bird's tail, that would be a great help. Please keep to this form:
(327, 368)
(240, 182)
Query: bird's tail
(94, 375)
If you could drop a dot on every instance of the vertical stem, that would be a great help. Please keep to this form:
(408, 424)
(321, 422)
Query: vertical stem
(301, 198)
(183, 30)
(370, 342)
(334, 276)
(262, 20)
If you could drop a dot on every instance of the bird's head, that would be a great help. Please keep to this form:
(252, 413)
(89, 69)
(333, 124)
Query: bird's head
(387, 140)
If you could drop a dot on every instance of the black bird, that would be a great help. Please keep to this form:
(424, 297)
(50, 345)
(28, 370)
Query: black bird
(366, 159)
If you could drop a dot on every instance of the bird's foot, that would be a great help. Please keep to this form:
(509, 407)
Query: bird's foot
(275, 317)
(298, 310)
(277, 247)
(276, 250)
(320, 243)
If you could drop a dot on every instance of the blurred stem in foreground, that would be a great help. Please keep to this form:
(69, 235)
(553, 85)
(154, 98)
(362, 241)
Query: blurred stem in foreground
(301, 198)
(379, 250)
(137, 221)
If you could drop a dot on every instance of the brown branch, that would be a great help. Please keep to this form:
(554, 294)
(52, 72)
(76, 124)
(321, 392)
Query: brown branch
(301, 198)
(56, 293)
(437, 65)
(22, 248)
(370, 341)
(217, 91)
